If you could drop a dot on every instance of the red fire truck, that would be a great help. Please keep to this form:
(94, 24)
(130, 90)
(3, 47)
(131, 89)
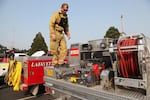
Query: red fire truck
(98, 70)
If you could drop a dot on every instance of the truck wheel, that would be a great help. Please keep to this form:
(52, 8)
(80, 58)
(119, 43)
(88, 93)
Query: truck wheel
(34, 90)
(37, 90)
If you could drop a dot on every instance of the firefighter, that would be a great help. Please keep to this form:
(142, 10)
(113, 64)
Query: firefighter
(58, 27)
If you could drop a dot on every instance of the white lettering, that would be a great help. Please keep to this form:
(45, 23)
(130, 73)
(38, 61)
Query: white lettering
(40, 64)
(74, 52)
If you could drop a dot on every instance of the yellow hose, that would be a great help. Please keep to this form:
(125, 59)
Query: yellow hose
(13, 76)
(8, 75)
(17, 77)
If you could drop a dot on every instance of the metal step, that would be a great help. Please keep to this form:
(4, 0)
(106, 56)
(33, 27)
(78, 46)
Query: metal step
(93, 93)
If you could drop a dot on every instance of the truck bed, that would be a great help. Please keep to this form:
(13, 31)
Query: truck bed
(92, 93)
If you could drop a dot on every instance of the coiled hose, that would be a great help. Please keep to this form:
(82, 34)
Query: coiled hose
(128, 60)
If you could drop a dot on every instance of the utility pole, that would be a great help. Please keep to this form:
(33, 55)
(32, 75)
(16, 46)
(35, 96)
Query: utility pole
(13, 42)
(122, 24)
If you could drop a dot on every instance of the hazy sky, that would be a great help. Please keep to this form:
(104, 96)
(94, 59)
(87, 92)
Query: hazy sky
(21, 20)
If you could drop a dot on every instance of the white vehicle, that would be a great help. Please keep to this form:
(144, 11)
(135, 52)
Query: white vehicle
(20, 55)
(3, 68)
(4, 65)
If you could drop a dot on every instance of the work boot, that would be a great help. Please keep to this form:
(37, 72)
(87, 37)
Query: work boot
(63, 65)
(56, 65)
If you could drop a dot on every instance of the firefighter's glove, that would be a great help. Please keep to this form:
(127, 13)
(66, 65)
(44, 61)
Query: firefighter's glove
(53, 37)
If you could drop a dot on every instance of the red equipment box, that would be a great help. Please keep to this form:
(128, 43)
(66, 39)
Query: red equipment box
(33, 71)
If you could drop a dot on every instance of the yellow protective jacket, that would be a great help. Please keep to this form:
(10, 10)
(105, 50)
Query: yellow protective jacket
(59, 22)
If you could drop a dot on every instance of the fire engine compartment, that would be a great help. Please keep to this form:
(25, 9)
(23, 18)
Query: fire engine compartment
(86, 61)
(133, 62)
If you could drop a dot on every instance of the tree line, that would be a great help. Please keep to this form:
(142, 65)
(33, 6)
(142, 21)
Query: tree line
(40, 44)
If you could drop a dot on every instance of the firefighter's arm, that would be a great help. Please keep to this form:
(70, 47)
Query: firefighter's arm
(52, 26)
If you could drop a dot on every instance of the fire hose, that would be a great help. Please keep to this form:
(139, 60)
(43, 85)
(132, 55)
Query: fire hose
(13, 76)
(128, 60)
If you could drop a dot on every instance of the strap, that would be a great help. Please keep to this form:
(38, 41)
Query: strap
(63, 21)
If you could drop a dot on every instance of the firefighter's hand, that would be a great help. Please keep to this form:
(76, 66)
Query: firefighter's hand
(68, 35)
(53, 37)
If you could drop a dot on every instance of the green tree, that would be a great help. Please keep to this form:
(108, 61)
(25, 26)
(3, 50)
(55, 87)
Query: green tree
(112, 32)
(38, 44)
(2, 48)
